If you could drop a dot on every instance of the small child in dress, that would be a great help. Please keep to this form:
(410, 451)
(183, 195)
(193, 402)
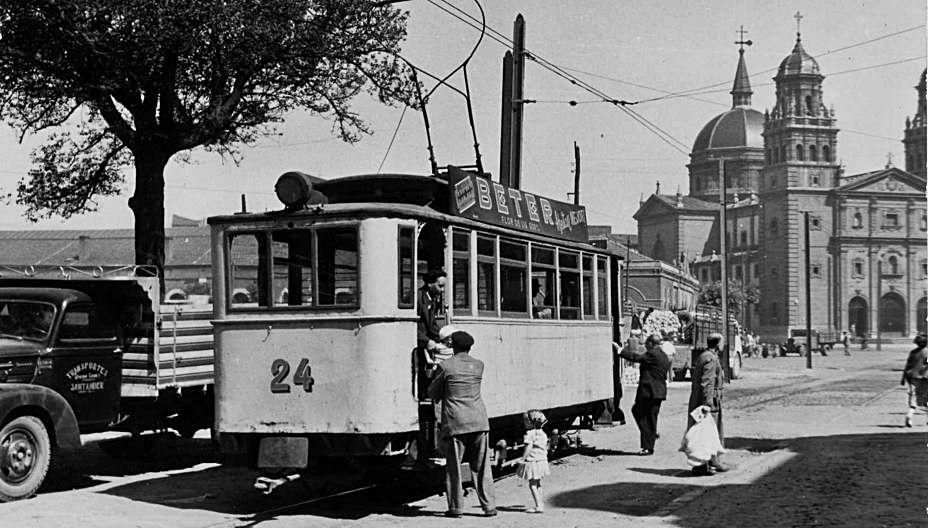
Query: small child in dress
(534, 464)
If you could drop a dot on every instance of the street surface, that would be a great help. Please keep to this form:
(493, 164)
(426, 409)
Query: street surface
(820, 447)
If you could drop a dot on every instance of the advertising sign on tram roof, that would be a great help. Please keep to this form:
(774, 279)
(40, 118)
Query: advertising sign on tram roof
(479, 198)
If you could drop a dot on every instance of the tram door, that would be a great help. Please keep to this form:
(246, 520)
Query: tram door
(430, 256)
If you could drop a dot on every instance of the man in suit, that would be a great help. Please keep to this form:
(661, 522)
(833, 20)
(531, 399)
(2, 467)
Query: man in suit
(652, 387)
(707, 387)
(464, 421)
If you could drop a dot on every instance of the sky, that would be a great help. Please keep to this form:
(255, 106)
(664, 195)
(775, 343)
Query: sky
(871, 53)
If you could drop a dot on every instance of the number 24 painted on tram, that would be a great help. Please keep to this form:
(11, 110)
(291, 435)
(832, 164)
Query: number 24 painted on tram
(280, 369)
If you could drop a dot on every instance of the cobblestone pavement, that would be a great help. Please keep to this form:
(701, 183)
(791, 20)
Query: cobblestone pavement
(820, 447)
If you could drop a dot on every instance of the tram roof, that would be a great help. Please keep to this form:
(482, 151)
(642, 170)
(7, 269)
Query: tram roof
(389, 195)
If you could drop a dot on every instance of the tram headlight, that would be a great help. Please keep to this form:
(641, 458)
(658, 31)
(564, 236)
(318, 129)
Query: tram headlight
(295, 189)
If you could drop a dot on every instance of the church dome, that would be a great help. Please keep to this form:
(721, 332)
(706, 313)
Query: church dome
(798, 62)
(739, 127)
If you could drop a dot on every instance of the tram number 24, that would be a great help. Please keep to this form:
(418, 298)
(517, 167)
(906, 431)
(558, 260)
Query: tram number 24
(302, 377)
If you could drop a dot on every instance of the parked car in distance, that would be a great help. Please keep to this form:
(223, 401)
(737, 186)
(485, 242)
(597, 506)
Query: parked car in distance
(798, 346)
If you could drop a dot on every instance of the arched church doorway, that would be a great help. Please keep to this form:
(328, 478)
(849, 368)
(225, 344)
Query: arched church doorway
(921, 315)
(857, 317)
(892, 315)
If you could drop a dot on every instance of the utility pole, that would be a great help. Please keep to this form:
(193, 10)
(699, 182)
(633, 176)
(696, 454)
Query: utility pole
(576, 174)
(808, 295)
(879, 297)
(723, 253)
(518, 104)
(505, 128)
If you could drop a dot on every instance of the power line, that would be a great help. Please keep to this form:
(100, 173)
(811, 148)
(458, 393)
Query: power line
(699, 90)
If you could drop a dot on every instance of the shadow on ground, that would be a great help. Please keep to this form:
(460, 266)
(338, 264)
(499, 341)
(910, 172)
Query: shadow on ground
(89, 465)
(843, 480)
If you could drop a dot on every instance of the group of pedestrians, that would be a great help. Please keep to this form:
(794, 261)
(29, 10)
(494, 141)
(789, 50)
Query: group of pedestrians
(705, 394)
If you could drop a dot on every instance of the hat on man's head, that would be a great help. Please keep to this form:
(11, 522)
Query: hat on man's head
(446, 332)
(713, 338)
(921, 340)
(461, 340)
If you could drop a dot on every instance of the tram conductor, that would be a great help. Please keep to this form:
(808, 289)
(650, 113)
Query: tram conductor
(464, 422)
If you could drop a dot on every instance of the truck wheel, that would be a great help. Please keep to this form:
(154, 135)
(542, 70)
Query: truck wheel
(25, 453)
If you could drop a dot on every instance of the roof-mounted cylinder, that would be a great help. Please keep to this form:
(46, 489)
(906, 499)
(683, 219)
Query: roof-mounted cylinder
(295, 190)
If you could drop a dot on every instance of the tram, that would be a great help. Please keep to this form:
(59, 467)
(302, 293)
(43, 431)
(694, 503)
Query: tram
(315, 317)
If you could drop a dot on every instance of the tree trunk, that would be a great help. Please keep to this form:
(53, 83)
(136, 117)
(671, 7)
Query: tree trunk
(148, 206)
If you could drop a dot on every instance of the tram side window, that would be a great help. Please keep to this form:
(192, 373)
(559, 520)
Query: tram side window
(513, 278)
(407, 286)
(486, 273)
(588, 309)
(292, 268)
(543, 284)
(461, 270)
(337, 266)
(247, 270)
(601, 285)
(570, 284)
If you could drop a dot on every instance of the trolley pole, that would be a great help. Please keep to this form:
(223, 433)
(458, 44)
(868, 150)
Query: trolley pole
(808, 296)
(576, 174)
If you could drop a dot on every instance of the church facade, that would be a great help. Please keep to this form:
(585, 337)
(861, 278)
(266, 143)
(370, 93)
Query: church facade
(868, 271)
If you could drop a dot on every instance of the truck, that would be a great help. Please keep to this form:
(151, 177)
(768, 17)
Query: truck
(85, 352)
(697, 325)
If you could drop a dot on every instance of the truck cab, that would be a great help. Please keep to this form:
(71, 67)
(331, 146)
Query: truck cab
(60, 339)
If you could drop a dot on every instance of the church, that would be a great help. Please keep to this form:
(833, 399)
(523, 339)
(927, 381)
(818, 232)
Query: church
(868, 264)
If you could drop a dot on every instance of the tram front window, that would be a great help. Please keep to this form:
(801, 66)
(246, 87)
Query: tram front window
(297, 267)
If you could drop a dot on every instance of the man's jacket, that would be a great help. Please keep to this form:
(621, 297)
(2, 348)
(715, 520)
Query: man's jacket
(457, 385)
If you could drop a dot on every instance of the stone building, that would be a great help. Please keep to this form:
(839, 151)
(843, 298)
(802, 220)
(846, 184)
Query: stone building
(867, 231)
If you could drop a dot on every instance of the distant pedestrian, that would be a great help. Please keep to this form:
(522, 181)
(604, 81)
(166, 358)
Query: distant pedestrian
(915, 376)
(846, 342)
(534, 463)
(652, 388)
(706, 390)
(464, 422)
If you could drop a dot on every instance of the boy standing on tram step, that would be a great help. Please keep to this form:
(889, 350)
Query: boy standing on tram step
(464, 421)
(652, 388)
(430, 307)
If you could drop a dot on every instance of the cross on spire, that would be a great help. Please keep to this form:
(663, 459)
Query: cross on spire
(741, 42)
(798, 16)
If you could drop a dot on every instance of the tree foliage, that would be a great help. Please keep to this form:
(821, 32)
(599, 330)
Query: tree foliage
(127, 82)
(739, 295)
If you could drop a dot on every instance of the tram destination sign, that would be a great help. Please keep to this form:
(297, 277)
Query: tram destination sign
(480, 198)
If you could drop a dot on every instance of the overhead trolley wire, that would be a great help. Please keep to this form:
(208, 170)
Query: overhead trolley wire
(700, 90)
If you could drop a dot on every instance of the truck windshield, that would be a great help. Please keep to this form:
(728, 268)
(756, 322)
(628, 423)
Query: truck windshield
(26, 319)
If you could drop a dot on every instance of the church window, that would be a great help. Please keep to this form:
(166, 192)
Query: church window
(816, 271)
(809, 105)
(858, 268)
(924, 269)
(744, 238)
(891, 220)
(826, 153)
(815, 223)
(893, 265)
(813, 154)
(800, 155)
(924, 226)
(814, 179)
(858, 221)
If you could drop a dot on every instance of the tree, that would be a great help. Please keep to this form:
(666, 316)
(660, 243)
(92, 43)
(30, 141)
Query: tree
(739, 295)
(134, 82)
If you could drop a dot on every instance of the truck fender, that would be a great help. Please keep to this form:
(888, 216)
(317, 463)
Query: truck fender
(64, 424)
